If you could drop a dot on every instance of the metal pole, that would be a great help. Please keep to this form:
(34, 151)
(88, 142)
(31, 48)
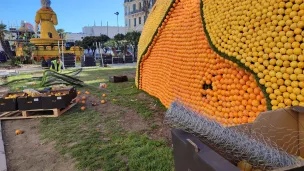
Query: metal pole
(99, 45)
(107, 28)
(59, 49)
(117, 23)
(95, 50)
(63, 56)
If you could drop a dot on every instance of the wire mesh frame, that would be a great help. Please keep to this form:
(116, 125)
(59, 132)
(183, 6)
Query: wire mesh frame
(235, 144)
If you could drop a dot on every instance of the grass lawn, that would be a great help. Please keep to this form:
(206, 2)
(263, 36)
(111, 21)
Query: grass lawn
(122, 134)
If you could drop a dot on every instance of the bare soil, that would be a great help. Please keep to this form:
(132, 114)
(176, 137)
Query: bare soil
(27, 151)
(3, 91)
(132, 122)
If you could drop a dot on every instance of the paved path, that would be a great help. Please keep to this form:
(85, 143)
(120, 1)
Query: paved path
(3, 166)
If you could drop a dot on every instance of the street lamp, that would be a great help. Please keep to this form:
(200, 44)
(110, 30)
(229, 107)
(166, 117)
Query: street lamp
(117, 13)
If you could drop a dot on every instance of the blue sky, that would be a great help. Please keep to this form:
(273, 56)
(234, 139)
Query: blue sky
(72, 15)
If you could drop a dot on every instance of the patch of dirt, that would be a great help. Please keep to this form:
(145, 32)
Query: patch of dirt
(130, 74)
(132, 122)
(27, 152)
(9, 67)
(3, 91)
(21, 67)
(159, 128)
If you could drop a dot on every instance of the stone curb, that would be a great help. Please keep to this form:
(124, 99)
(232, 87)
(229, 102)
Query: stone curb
(3, 166)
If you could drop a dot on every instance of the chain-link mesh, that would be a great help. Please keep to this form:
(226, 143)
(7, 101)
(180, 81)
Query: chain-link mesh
(236, 143)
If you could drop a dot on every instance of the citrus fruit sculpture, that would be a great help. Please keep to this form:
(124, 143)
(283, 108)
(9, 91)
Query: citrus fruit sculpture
(230, 60)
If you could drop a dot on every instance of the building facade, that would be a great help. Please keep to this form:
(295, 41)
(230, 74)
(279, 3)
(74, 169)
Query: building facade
(110, 31)
(135, 16)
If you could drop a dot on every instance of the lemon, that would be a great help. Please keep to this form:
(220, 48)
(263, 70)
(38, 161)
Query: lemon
(286, 77)
(298, 38)
(289, 89)
(262, 81)
(301, 57)
(293, 77)
(280, 82)
(275, 107)
(296, 45)
(274, 102)
(274, 79)
(297, 51)
(272, 73)
(301, 65)
(292, 96)
(277, 92)
(283, 89)
(272, 96)
(274, 86)
(294, 64)
(292, 57)
(298, 2)
(287, 102)
(297, 71)
(289, 70)
(300, 98)
(286, 95)
(295, 103)
(295, 84)
(280, 99)
(269, 90)
(281, 105)
(297, 91)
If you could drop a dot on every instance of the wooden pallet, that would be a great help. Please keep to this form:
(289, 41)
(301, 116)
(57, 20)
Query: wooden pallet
(31, 114)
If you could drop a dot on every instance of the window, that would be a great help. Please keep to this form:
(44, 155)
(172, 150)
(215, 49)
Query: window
(145, 18)
(129, 23)
(134, 7)
(140, 5)
(139, 20)
(126, 23)
(134, 22)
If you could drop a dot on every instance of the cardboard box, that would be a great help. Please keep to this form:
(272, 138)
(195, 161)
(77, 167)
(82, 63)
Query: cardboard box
(284, 127)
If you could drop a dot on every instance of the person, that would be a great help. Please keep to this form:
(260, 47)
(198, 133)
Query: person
(56, 65)
(43, 62)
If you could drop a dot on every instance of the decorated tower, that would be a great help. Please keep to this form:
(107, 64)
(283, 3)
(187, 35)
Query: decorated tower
(48, 44)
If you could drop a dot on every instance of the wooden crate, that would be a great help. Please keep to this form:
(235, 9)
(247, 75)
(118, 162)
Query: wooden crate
(36, 113)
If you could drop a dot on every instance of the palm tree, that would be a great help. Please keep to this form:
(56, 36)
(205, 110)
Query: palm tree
(147, 4)
(5, 46)
(61, 33)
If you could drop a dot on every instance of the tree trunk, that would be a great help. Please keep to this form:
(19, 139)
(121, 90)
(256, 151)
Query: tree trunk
(134, 53)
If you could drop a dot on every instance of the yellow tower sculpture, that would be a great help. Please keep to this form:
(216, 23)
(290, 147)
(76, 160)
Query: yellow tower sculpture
(49, 44)
(47, 18)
